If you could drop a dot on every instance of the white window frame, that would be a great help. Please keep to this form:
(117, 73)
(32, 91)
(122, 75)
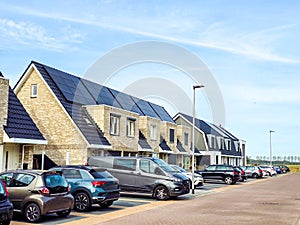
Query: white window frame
(34, 91)
(114, 124)
(130, 127)
(153, 132)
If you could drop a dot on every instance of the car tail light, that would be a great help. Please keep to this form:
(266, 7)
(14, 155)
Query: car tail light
(5, 188)
(243, 172)
(98, 183)
(260, 171)
(44, 191)
(235, 173)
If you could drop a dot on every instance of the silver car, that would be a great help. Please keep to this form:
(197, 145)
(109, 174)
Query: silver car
(198, 179)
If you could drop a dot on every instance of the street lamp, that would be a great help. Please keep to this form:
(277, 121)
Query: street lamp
(193, 139)
(271, 131)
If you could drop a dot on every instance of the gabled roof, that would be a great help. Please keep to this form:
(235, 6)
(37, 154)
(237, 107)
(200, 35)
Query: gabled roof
(75, 110)
(20, 128)
(209, 128)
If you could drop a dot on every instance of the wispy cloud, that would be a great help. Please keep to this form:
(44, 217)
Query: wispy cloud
(216, 35)
(28, 33)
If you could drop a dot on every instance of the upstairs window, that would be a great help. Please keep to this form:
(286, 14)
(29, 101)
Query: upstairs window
(114, 124)
(186, 138)
(172, 135)
(130, 127)
(33, 91)
(153, 132)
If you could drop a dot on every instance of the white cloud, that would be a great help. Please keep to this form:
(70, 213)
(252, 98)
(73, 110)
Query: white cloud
(27, 33)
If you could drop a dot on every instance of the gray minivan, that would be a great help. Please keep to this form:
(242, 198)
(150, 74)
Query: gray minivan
(144, 175)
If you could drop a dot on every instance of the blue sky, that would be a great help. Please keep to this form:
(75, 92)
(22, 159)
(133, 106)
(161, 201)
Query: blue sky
(251, 48)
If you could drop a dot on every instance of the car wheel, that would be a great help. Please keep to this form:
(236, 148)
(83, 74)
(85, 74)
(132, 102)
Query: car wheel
(64, 213)
(161, 193)
(255, 175)
(32, 213)
(106, 204)
(228, 180)
(270, 174)
(82, 201)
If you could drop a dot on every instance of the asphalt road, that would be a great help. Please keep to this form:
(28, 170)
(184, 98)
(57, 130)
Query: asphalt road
(266, 201)
(271, 200)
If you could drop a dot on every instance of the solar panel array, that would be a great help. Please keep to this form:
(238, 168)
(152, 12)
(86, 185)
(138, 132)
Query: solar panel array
(85, 92)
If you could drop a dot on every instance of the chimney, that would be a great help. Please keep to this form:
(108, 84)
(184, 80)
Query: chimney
(4, 89)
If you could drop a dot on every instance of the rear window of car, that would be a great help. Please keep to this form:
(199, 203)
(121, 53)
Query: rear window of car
(55, 180)
(100, 174)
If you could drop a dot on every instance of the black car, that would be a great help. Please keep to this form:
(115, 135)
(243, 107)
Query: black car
(6, 207)
(226, 173)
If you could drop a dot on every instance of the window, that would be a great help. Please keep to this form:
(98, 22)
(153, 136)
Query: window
(148, 166)
(213, 141)
(125, 164)
(152, 132)
(114, 124)
(172, 135)
(228, 145)
(130, 127)
(33, 90)
(186, 138)
(71, 174)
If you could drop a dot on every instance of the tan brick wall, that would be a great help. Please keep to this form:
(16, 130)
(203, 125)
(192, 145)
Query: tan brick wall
(61, 134)
(122, 142)
(145, 123)
(165, 132)
(4, 87)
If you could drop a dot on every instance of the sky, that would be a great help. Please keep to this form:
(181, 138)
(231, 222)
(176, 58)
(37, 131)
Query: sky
(251, 49)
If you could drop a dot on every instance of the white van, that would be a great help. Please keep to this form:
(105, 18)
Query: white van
(144, 175)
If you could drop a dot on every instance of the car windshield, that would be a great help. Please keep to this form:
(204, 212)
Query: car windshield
(179, 169)
(166, 167)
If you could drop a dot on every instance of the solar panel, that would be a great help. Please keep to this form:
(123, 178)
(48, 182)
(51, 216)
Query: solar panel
(101, 93)
(145, 107)
(71, 87)
(161, 112)
(126, 102)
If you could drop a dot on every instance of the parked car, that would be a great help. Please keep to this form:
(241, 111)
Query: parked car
(37, 193)
(243, 174)
(89, 186)
(198, 179)
(270, 171)
(226, 173)
(144, 175)
(6, 207)
(284, 168)
(253, 171)
(278, 170)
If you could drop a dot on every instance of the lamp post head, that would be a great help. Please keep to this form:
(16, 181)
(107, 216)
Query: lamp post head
(271, 131)
(197, 86)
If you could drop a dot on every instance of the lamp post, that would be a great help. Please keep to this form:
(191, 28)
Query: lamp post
(193, 139)
(271, 131)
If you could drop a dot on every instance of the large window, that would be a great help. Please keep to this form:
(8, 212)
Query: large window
(114, 124)
(125, 164)
(130, 127)
(152, 132)
(172, 135)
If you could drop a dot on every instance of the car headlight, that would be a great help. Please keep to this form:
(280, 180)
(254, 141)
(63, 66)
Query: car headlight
(177, 180)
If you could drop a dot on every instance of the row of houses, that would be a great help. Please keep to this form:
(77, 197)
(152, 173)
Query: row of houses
(52, 117)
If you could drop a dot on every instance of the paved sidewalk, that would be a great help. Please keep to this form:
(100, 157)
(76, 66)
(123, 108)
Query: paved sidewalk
(273, 201)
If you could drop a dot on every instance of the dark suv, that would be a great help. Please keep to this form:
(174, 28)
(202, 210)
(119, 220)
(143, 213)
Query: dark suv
(226, 173)
(37, 193)
(89, 186)
(6, 208)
